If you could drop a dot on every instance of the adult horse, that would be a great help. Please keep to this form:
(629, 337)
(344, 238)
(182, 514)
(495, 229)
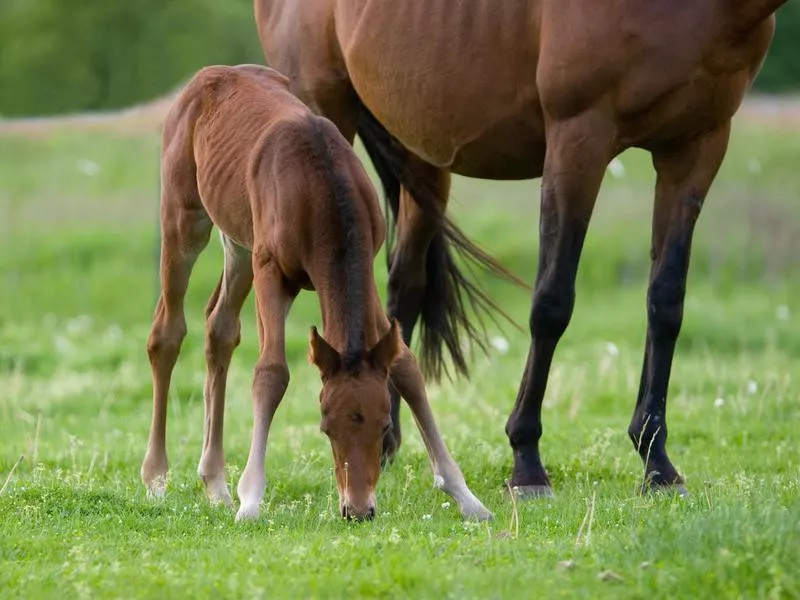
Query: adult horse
(525, 89)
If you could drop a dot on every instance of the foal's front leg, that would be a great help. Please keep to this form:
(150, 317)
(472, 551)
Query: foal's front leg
(407, 378)
(270, 380)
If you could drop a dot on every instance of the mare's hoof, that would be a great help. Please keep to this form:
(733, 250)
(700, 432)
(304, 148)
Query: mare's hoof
(531, 492)
(671, 489)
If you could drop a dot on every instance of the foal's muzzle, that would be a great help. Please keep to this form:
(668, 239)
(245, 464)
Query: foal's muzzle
(349, 513)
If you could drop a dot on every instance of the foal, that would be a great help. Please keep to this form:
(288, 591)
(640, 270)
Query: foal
(296, 211)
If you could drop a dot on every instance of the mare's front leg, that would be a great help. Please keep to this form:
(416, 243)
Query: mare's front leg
(406, 377)
(685, 173)
(271, 378)
(223, 333)
(578, 151)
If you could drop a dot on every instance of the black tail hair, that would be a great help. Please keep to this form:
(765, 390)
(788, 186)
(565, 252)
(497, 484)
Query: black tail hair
(449, 294)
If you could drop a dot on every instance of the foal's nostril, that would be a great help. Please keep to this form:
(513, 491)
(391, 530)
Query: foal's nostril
(371, 513)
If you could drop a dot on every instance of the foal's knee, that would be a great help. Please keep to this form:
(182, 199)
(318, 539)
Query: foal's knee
(552, 310)
(165, 340)
(223, 334)
(274, 377)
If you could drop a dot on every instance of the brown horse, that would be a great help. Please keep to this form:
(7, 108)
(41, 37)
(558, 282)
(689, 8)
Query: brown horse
(516, 90)
(296, 211)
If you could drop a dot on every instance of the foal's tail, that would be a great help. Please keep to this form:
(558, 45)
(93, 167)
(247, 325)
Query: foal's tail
(449, 294)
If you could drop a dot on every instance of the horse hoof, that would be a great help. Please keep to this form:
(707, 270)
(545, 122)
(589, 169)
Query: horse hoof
(477, 513)
(671, 489)
(222, 498)
(157, 488)
(217, 491)
(247, 513)
(532, 492)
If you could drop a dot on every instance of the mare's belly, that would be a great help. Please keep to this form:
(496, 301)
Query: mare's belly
(512, 149)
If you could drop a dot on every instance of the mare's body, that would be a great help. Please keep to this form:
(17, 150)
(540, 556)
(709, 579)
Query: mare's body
(526, 89)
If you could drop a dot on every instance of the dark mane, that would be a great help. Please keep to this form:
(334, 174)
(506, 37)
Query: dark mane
(349, 261)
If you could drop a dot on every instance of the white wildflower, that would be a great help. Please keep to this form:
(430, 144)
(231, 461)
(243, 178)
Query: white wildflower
(500, 344)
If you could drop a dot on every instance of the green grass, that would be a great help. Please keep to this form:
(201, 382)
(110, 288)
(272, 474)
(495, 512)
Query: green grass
(77, 257)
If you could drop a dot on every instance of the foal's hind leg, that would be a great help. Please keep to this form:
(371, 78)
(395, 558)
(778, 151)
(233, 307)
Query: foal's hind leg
(222, 336)
(185, 229)
(685, 173)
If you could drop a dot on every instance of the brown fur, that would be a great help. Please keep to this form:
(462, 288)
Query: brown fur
(514, 90)
(296, 210)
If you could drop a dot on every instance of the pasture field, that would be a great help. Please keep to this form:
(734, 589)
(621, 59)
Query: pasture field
(78, 206)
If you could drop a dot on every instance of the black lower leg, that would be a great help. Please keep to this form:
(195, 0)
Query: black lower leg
(404, 304)
(648, 428)
(553, 303)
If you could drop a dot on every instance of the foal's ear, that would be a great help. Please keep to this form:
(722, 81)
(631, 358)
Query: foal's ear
(388, 348)
(323, 355)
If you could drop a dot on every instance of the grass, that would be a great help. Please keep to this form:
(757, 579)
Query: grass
(77, 257)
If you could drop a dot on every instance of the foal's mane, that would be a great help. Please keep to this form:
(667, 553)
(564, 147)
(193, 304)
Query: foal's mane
(349, 259)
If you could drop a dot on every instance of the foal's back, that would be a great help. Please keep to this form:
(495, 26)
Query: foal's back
(264, 165)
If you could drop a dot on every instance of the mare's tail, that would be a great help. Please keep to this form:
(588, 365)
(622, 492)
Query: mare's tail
(449, 294)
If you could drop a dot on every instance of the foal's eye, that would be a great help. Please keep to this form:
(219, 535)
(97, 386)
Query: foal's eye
(387, 427)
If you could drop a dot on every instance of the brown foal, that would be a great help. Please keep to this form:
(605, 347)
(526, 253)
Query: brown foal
(296, 210)
(524, 89)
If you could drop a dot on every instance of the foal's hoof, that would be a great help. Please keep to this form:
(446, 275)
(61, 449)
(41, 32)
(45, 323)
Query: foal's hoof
(217, 491)
(480, 513)
(157, 488)
(530, 492)
(247, 512)
(473, 509)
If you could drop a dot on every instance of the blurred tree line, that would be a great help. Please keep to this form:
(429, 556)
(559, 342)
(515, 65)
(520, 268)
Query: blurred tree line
(75, 55)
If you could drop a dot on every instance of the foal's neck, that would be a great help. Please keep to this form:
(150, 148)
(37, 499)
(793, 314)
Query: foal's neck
(337, 314)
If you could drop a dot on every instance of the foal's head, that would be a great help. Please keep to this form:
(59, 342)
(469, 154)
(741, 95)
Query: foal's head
(355, 416)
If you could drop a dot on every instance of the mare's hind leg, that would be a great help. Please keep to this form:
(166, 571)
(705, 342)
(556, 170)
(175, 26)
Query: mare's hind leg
(271, 377)
(223, 333)
(185, 229)
(408, 270)
(578, 151)
(685, 173)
